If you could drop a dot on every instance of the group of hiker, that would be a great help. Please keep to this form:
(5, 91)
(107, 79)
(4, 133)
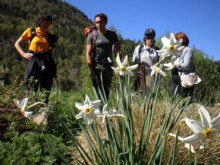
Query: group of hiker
(101, 43)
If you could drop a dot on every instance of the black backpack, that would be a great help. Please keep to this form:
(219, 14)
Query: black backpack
(52, 39)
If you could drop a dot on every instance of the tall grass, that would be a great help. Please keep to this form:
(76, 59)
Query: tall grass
(140, 137)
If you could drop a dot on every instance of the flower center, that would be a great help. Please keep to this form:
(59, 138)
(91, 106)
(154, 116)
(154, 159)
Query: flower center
(207, 132)
(122, 68)
(171, 47)
(87, 110)
(22, 111)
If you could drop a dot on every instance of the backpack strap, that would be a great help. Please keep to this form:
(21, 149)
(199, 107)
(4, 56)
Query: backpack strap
(94, 38)
(140, 50)
(33, 34)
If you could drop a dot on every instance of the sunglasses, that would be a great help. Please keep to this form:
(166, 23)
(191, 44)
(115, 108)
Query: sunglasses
(99, 22)
(150, 36)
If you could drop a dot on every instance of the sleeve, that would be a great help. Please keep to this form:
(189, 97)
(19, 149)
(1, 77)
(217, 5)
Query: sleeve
(136, 57)
(89, 39)
(26, 35)
(187, 61)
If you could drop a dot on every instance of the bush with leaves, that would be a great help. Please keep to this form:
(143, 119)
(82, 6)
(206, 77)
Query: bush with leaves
(32, 148)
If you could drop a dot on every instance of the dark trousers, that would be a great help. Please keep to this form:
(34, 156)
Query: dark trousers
(35, 77)
(103, 81)
(184, 92)
(176, 85)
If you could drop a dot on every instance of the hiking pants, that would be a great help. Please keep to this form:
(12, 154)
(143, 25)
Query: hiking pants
(103, 81)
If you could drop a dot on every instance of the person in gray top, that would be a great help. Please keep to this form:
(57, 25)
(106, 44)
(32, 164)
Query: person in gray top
(185, 67)
(100, 44)
(145, 55)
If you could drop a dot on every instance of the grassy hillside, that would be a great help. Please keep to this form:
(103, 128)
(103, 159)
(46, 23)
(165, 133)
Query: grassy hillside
(54, 136)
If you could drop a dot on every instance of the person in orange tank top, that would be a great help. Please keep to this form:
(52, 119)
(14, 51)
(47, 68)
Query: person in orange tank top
(41, 66)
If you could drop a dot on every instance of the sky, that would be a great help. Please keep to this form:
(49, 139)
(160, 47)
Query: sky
(199, 19)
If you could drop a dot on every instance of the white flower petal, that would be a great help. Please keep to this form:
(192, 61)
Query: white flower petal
(28, 115)
(80, 115)
(129, 73)
(89, 121)
(96, 103)
(79, 106)
(162, 73)
(172, 39)
(168, 64)
(215, 122)
(174, 135)
(117, 70)
(118, 61)
(104, 118)
(194, 125)
(24, 102)
(122, 73)
(152, 72)
(191, 139)
(165, 41)
(87, 100)
(187, 145)
(190, 147)
(133, 67)
(104, 109)
(17, 103)
(201, 147)
(124, 63)
(180, 42)
(96, 112)
(113, 111)
(205, 117)
(164, 55)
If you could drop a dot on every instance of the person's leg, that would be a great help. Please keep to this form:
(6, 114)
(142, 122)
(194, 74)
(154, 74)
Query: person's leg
(96, 83)
(136, 84)
(46, 82)
(107, 75)
(32, 75)
(188, 92)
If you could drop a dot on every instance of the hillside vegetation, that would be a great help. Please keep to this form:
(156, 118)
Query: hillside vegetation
(69, 54)
(140, 133)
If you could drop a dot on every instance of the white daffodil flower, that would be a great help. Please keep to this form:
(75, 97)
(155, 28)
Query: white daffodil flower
(155, 69)
(109, 114)
(172, 64)
(22, 106)
(170, 46)
(202, 130)
(122, 68)
(88, 110)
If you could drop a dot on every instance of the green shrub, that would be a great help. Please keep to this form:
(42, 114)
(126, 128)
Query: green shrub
(32, 148)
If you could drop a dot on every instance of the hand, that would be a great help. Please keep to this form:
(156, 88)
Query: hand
(28, 56)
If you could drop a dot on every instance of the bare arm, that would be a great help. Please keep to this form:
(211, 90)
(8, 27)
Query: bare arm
(89, 61)
(27, 56)
(118, 49)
